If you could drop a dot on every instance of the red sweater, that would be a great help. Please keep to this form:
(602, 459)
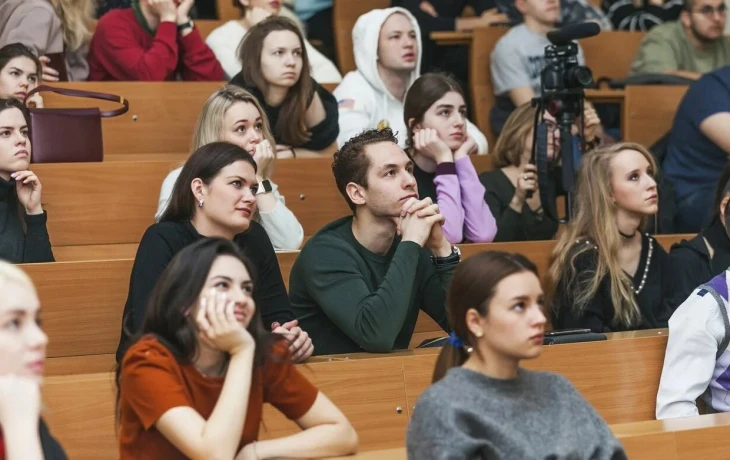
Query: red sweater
(122, 50)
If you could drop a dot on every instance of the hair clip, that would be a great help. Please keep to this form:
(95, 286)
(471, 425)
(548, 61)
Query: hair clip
(454, 340)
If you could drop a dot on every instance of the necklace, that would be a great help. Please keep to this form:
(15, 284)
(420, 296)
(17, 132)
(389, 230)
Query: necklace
(646, 267)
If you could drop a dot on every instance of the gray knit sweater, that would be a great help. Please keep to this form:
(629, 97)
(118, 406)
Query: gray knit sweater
(539, 415)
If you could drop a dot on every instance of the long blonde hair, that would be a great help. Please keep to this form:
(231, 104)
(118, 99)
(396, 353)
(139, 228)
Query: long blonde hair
(77, 17)
(11, 273)
(511, 141)
(594, 221)
(209, 127)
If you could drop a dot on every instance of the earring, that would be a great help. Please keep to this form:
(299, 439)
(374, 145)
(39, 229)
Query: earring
(479, 334)
(200, 203)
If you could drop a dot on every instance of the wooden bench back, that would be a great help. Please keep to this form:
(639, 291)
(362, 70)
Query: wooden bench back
(648, 112)
(345, 14)
(377, 393)
(205, 27)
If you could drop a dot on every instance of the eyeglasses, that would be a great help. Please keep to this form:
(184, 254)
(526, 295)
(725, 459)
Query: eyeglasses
(709, 11)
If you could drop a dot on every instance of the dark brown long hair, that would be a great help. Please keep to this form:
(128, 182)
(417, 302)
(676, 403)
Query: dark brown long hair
(204, 164)
(291, 127)
(473, 285)
(423, 93)
(178, 290)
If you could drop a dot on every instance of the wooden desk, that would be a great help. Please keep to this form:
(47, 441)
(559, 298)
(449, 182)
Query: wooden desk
(452, 38)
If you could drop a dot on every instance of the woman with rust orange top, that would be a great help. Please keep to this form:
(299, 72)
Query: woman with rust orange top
(193, 382)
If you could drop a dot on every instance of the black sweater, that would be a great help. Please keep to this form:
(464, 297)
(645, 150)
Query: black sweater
(52, 450)
(161, 242)
(323, 134)
(527, 225)
(16, 244)
(695, 267)
(598, 314)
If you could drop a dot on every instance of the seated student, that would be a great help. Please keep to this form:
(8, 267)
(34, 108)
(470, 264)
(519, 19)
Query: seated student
(196, 377)
(51, 27)
(302, 113)
(358, 284)
(690, 47)
(20, 72)
(641, 16)
(445, 15)
(698, 149)
(23, 232)
(23, 433)
(707, 254)
(154, 40)
(520, 218)
(605, 274)
(388, 56)
(519, 57)
(215, 195)
(233, 115)
(435, 113)
(225, 39)
(482, 404)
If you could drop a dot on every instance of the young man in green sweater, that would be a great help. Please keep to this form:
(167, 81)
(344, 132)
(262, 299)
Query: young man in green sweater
(359, 283)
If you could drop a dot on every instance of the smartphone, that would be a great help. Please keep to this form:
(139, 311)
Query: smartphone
(58, 62)
(567, 332)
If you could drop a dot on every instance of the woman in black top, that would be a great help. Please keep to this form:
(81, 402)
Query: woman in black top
(23, 433)
(276, 71)
(605, 274)
(707, 254)
(23, 232)
(214, 196)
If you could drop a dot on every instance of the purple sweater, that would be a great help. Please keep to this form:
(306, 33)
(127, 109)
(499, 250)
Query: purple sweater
(460, 196)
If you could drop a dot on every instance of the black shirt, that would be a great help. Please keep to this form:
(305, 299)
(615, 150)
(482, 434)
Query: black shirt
(161, 242)
(323, 134)
(511, 225)
(18, 245)
(52, 450)
(598, 313)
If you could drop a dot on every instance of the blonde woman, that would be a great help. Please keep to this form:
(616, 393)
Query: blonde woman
(23, 434)
(606, 274)
(233, 115)
(51, 27)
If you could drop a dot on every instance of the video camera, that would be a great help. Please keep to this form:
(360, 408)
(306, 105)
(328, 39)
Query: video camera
(562, 81)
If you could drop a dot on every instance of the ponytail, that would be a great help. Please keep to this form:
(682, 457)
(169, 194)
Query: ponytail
(450, 356)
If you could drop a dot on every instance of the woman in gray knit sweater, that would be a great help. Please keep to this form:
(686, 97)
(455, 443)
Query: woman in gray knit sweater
(482, 405)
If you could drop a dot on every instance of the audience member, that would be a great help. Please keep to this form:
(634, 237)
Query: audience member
(215, 195)
(435, 112)
(277, 72)
(387, 54)
(195, 379)
(707, 254)
(23, 232)
(23, 433)
(154, 40)
(519, 57)
(317, 16)
(233, 115)
(203, 9)
(20, 72)
(482, 403)
(445, 15)
(698, 148)
(51, 27)
(641, 16)
(518, 217)
(358, 284)
(225, 39)
(689, 47)
(605, 274)
(571, 12)
(697, 357)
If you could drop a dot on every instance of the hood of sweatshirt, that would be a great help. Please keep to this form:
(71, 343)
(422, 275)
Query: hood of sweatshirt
(365, 44)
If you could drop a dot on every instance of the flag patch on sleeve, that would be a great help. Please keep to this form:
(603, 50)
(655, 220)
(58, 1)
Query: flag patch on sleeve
(346, 103)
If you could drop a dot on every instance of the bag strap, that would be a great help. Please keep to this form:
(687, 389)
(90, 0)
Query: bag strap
(90, 94)
(723, 309)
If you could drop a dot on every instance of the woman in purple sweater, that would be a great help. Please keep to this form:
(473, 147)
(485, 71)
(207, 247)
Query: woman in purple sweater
(435, 113)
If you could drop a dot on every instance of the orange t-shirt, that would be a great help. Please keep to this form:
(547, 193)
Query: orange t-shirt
(153, 382)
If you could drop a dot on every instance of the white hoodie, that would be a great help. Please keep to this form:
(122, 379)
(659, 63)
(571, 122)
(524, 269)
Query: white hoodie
(364, 102)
